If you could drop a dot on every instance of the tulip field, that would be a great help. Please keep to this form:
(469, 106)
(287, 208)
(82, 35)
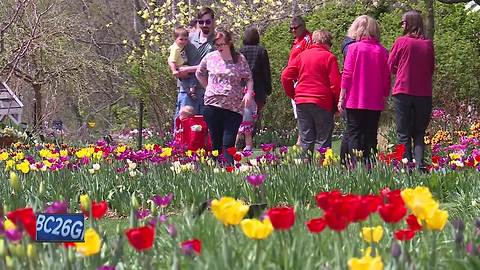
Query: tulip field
(164, 207)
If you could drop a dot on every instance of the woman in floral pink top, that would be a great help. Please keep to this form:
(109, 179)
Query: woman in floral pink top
(224, 73)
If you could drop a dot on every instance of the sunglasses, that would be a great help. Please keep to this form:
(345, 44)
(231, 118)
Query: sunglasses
(220, 44)
(294, 27)
(204, 22)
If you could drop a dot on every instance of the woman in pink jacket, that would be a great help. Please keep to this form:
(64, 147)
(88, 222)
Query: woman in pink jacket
(412, 61)
(365, 87)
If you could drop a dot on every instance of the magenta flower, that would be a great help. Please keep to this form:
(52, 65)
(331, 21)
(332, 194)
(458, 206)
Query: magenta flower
(142, 213)
(58, 207)
(172, 231)
(13, 235)
(163, 201)
(256, 180)
(106, 267)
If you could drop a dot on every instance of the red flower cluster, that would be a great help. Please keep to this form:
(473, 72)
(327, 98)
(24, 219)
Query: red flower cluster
(282, 218)
(342, 209)
(141, 238)
(24, 218)
(395, 155)
(413, 228)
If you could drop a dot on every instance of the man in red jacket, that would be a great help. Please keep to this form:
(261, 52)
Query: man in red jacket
(318, 87)
(303, 40)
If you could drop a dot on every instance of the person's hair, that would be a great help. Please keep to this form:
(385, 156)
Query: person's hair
(204, 11)
(186, 111)
(227, 36)
(352, 30)
(192, 23)
(367, 28)
(298, 20)
(414, 23)
(251, 36)
(322, 37)
(180, 32)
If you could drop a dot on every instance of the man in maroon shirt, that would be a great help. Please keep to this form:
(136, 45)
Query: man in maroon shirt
(303, 40)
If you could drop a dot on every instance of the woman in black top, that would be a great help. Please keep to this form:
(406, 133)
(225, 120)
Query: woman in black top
(259, 63)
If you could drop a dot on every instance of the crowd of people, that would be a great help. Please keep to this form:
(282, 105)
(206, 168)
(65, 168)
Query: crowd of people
(229, 87)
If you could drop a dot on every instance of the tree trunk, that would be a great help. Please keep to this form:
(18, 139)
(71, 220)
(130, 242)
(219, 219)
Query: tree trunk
(430, 19)
(37, 89)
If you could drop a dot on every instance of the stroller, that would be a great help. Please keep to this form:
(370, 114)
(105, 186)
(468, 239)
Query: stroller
(192, 133)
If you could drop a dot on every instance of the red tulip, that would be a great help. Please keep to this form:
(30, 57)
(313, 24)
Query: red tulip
(230, 169)
(392, 213)
(231, 150)
(413, 224)
(324, 199)
(237, 157)
(98, 209)
(404, 235)
(335, 222)
(192, 244)
(141, 238)
(316, 225)
(25, 218)
(282, 218)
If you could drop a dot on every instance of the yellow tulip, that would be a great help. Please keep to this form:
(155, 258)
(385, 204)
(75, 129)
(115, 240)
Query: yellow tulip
(9, 225)
(24, 167)
(256, 229)
(9, 164)
(85, 202)
(31, 251)
(215, 153)
(229, 211)
(367, 262)
(420, 201)
(92, 243)
(438, 220)
(4, 156)
(14, 181)
(166, 152)
(370, 234)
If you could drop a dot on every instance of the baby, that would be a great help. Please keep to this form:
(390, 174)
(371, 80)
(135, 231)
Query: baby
(178, 58)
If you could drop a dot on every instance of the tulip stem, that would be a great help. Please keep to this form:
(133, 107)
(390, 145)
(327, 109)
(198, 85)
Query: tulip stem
(433, 258)
(337, 250)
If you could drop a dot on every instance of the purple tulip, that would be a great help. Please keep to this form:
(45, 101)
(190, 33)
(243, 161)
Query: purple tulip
(283, 149)
(163, 201)
(256, 180)
(58, 207)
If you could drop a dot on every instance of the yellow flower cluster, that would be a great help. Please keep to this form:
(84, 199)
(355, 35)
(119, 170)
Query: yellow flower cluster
(424, 207)
(229, 210)
(372, 234)
(475, 130)
(367, 262)
(441, 136)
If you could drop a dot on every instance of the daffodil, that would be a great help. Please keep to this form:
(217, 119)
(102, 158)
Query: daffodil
(437, 220)
(229, 211)
(370, 234)
(92, 243)
(256, 229)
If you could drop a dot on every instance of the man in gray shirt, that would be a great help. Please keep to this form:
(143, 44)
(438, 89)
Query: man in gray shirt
(201, 43)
